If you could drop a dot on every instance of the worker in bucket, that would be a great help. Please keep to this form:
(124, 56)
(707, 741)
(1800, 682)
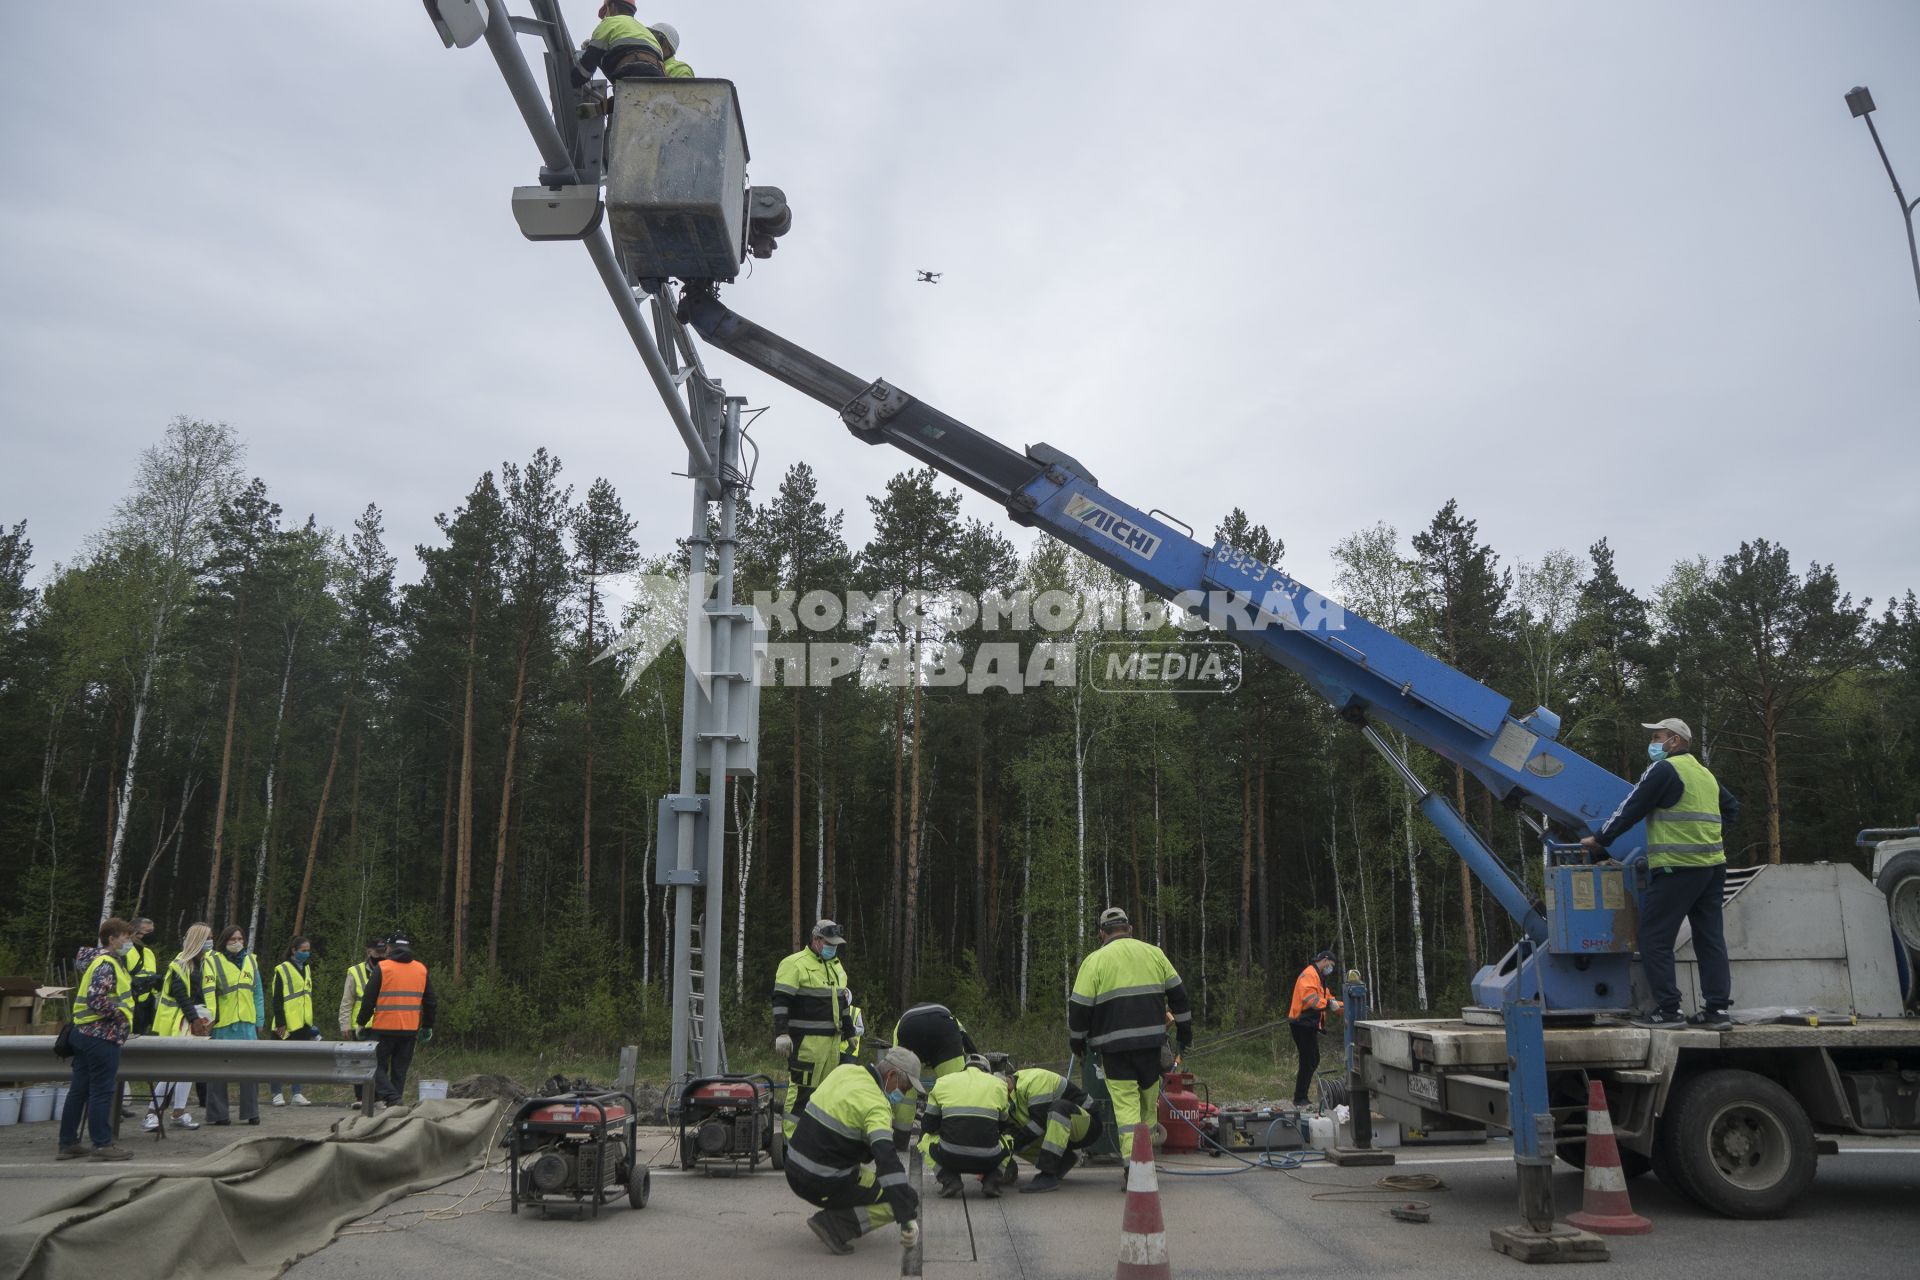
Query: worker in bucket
(621, 46)
(1684, 806)
(1307, 1018)
(813, 1027)
(669, 37)
(1052, 1123)
(842, 1156)
(1118, 1009)
(967, 1119)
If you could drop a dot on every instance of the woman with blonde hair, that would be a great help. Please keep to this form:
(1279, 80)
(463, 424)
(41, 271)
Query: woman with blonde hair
(185, 1008)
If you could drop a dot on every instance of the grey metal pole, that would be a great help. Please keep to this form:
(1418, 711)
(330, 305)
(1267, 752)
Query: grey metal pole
(713, 1051)
(1906, 209)
(504, 42)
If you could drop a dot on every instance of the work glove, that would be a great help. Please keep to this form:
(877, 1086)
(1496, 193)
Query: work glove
(783, 1045)
(903, 1200)
(426, 1034)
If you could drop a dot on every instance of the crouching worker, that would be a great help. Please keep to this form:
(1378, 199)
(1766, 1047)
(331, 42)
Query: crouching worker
(967, 1115)
(842, 1156)
(1052, 1123)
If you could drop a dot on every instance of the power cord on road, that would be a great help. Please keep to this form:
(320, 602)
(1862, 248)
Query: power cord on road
(1391, 1189)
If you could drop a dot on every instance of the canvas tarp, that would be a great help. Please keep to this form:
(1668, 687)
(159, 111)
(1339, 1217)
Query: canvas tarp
(252, 1209)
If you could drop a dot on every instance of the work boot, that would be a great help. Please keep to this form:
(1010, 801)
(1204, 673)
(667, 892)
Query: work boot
(990, 1186)
(109, 1153)
(949, 1183)
(1008, 1175)
(832, 1234)
(1041, 1182)
(1711, 1020)
(74, 1151)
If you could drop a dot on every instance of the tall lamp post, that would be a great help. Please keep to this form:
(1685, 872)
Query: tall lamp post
(1860, 102)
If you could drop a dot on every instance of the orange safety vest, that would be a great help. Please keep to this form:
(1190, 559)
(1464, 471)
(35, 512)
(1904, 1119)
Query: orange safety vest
(1310, 997)
(397, 1007)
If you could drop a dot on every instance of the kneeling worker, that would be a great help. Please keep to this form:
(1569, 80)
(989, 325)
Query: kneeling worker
(966, 1118)
(842, 1157)
(1052, 1123)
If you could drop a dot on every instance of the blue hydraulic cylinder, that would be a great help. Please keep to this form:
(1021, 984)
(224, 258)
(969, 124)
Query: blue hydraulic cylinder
(1485, 866)
(1527, 1082)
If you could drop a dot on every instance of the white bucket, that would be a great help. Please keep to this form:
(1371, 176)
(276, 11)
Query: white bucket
(431, 1089)
(9, 1106)
(60, 1099)
(36, 1104)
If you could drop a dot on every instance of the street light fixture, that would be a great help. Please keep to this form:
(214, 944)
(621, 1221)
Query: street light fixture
(1860, 102)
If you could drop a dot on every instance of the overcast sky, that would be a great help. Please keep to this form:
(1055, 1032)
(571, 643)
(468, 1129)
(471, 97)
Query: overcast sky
(1594, 270)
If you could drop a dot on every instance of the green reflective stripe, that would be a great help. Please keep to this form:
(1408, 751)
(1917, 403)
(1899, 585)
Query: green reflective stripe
(892, 1180)
(974, 1113)
(879, 1135)
(977, 1153)
(1077, 998)
(1128, 1033)
(817, 1028)
(1689, 834)
(818, 993)
(1116, 993)
(783, 989)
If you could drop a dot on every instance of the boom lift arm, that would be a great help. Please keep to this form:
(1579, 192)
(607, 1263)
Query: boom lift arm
(1368, 675)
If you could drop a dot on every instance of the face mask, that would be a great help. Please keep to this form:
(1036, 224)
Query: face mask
(896, 1096)
(124, 948)
(828, 951)
(1656, 752)
(235, 948)
(303, 956)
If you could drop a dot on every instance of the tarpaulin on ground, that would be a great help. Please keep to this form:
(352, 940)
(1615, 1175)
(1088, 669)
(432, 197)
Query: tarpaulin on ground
(252, 1209)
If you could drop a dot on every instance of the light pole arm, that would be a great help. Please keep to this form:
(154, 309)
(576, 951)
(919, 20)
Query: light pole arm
(1906, 207)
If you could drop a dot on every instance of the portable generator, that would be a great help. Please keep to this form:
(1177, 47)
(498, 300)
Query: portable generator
(565, 1151)
(726, 1122)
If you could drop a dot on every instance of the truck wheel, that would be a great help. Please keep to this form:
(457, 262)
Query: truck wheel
(777, 1145)
(1900, 881)
(1739, 1144)
(639, 1187)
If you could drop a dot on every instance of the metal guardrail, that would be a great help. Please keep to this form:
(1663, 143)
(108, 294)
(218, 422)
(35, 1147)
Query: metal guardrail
(30, 1059)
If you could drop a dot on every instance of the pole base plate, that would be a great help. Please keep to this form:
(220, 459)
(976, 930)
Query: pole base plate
(1358, 1157)
(1556, 1244)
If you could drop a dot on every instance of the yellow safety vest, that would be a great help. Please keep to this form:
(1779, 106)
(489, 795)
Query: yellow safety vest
(679, 70)
(233, 989)
(296, 994)
(1688, 834)
(83, 1012)
(170, 1013)
(622, 32)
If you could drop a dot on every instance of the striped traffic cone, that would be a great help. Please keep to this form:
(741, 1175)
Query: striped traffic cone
(1143, 1233)
(1604, 1208)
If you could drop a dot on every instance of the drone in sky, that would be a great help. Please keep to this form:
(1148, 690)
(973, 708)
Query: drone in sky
(930, 277)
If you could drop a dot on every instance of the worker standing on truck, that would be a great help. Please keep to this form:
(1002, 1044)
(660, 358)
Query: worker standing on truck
(1307, 1018)
(1684, 806)
(669, 39)
(1118, 1009)
(622, 46)
(812, 1016)
(1052, 1121)
(842, 1156)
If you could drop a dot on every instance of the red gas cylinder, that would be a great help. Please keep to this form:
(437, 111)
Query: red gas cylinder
(1183, 1116)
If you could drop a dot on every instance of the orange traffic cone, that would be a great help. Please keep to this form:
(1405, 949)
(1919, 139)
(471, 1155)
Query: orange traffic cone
(1143, 1233)
(1604, 1208)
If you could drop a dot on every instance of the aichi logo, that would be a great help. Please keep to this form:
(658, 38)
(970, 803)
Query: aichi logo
(1115, 528)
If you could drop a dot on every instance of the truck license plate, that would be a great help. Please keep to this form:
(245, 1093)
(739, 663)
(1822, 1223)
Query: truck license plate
(1425, 1088)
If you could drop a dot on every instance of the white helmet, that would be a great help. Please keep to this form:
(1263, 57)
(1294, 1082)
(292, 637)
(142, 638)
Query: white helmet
(669, 38)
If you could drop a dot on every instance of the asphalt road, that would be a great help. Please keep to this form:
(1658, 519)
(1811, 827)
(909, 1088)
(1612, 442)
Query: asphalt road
(1861, 1218)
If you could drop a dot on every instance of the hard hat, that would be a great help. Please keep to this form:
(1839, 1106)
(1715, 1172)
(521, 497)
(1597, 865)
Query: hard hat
(669, 37)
